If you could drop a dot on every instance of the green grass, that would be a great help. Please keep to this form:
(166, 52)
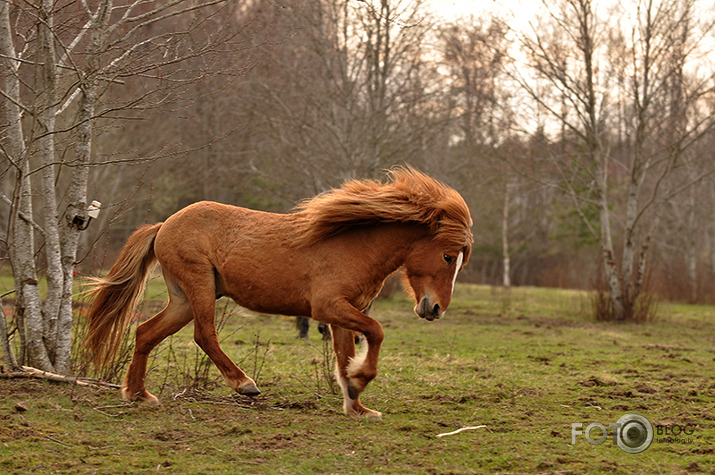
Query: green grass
(526, 364)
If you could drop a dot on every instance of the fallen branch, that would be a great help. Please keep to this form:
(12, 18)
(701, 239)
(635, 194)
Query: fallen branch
(28, 372)
(113, 406)
(460, 430)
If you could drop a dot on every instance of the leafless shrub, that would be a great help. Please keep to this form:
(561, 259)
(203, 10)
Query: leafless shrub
(642, 310)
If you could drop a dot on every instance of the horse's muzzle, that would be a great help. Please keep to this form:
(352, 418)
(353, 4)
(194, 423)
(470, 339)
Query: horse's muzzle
(427, 310)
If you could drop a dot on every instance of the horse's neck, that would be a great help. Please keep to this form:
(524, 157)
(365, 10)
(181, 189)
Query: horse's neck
(392, 243)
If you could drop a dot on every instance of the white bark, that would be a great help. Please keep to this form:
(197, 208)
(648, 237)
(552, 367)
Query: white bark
(691, 246)
(13, 147)
(22, 258)
(506, 278)
(21, 246)
(600, 157)
(77, 191)
(46, 128)
(606, 240)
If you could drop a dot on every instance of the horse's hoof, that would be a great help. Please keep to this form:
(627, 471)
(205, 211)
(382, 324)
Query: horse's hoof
(144, 397)
(353, 392)
(358, 410)
(368, 414)
(249, 389)
(357, 384)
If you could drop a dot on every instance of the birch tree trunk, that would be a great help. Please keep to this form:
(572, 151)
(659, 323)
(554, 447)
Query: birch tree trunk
(691, 245)
(22, 256)
(506, 258)
(599, 155)
(68, 52)
(608, 260)
(77, 191)
(77, 197)
(14, 152)
(46, 119)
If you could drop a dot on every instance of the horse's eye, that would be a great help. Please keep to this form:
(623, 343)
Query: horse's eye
(448, 259)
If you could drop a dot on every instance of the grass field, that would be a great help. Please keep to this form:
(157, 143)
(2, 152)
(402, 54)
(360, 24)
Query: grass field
(525, 365)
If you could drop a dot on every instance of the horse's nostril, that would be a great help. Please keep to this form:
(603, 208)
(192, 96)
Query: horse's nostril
(435, 310)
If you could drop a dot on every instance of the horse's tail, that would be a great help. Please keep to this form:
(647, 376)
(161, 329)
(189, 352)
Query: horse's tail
(116, 296)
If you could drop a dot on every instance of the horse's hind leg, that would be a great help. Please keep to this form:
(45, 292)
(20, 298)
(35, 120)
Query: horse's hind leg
(203, 304)
(173, 318)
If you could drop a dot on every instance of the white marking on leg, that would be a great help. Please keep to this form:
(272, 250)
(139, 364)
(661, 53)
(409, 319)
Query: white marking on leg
(356, 362)
(348, 403)
(354, 366)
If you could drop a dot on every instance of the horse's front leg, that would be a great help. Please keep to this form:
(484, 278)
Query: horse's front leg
(353, 372)
(350, 372)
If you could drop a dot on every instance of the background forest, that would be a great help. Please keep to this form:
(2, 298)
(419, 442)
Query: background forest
(582, 140)
(317, 92)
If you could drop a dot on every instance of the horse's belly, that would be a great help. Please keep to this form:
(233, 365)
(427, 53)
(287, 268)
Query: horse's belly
(265, 292)
(275, 304)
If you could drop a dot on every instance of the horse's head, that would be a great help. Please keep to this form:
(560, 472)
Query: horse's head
(431, 270)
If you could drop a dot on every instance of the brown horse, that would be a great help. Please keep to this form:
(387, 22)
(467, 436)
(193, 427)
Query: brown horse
(327, 260)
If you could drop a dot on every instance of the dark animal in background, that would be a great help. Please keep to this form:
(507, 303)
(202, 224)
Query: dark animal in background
(303, 325)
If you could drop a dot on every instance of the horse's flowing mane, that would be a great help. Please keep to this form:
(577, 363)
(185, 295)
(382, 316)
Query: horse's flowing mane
(408, 196)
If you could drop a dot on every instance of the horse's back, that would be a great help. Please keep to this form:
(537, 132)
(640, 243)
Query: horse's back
(247, 254)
